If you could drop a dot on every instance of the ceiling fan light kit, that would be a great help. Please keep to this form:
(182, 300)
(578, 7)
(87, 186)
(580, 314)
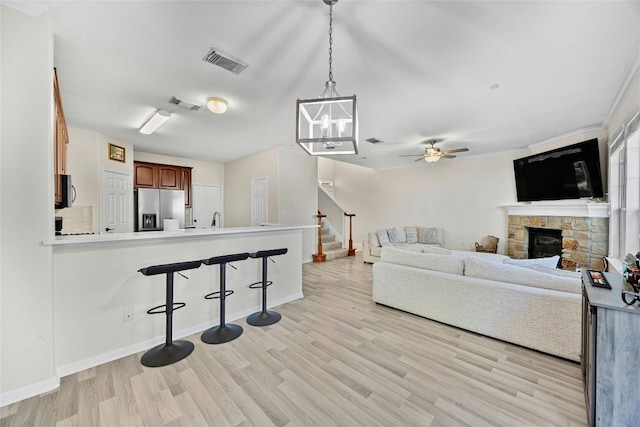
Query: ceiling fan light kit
(328, 125)
(432, 154)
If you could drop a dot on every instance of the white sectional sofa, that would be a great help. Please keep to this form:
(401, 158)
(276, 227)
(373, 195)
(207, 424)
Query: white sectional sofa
(537, 307)
(412, 238)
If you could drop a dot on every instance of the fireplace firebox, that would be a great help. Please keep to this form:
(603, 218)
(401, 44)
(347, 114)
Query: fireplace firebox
(545, 242)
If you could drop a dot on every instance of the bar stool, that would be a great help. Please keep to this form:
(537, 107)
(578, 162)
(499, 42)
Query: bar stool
(171, 351)
(223, 332)
(264, 317)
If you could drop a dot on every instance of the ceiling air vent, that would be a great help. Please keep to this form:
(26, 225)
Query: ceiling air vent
(226, 61)
(184, 104)
(374, 140)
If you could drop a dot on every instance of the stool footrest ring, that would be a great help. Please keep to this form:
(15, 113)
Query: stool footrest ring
(258, 285)
(156, 310)
(216, 294)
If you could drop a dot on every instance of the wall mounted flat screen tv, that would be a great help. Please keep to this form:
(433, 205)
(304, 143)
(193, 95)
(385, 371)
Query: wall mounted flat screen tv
(571, 172)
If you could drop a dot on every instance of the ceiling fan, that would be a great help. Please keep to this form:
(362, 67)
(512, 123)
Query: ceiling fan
(432, 154)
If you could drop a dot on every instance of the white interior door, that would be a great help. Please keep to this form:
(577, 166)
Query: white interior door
(207, 200)
(259, 201)
(115, 202)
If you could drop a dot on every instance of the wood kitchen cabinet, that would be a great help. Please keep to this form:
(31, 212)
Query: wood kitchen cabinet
(155, 175)
(60, 140)
(169, 177)
(610, 354)
(145, 175)
(186, 185)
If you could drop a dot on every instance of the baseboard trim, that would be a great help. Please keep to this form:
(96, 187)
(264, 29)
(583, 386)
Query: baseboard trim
(28, 391)
(110, 356)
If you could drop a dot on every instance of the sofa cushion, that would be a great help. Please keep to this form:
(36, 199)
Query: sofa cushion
(412, 234)
(383, 237)
(432, 249)
(396, 235)
(551, 262)
(377, 251)
(485, 269)
(374, 242)
(445, 263)
(407, 246)
(430, 236)
(557, 271)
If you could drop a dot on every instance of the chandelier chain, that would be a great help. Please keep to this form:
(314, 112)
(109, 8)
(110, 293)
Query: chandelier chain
(330, 41)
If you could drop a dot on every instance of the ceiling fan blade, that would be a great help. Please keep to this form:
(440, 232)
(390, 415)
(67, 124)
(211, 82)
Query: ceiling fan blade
(411, 155)
(456, 150)
(421, 158)
(448, 156)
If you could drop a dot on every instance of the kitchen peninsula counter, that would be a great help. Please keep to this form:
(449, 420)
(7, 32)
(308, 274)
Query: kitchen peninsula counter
(96, 281)
(142, 236)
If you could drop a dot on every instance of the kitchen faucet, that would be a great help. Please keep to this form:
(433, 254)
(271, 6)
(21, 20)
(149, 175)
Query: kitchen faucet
(213, 221)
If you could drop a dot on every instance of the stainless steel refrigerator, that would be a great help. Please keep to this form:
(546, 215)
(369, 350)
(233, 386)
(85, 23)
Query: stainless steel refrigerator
(153, 206)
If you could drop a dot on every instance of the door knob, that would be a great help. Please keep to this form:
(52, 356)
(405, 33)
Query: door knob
(108, 229)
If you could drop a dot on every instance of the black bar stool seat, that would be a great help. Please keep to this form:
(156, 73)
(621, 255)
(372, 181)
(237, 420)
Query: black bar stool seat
(171, 351)
(264, 317)
(223, 332)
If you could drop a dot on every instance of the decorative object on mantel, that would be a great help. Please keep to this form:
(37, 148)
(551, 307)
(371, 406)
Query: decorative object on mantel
(117, 153)
(631, 274)
(328, 125)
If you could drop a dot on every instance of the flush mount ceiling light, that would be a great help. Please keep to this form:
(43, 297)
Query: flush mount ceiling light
(217, 105)
(155, 122)
(328, 125)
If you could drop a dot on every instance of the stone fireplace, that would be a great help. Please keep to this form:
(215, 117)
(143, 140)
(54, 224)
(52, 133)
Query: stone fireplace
(583, 230)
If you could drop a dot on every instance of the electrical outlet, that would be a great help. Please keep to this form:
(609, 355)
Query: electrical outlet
(127, 314)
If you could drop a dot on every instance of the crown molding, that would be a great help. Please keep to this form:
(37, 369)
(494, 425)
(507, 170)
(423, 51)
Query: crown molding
(633, 73)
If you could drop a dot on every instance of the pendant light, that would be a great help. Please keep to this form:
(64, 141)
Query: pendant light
(328, 125)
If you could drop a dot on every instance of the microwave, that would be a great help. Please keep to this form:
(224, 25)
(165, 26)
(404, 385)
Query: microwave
(68, 192)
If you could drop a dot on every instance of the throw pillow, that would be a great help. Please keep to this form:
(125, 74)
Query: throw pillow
(556, 271)
(484, 269)
(550, 262)
(374, 242)
(429, 236)
(412, 234)
(396, 235)
(383, 237)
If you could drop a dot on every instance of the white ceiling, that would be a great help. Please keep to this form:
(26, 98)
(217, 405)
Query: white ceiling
(420, 69)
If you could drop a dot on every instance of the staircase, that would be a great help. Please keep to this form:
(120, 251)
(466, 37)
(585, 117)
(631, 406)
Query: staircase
(332, 247)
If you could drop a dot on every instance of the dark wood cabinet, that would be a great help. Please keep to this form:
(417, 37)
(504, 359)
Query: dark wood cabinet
(145, 175)
(60, 140)
(186, 185)
(155, 175)
(169, 177)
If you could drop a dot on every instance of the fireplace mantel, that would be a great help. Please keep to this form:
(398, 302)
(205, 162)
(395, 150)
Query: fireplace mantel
(585, 210)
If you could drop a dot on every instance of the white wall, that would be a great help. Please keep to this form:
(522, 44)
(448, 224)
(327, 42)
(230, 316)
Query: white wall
(26, 206)
(237, 194)
(298, 194)
(629, 103)
(87, 157)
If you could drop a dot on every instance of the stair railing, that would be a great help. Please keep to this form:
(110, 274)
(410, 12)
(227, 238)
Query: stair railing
(335, 220)
(319, 257)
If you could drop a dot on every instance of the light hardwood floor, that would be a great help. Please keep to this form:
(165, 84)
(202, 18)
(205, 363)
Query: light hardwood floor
(335, 358)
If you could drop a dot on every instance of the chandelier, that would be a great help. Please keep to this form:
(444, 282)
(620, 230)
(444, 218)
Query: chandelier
(328, 125)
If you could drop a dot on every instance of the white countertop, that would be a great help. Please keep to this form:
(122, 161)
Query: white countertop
(143, 236)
